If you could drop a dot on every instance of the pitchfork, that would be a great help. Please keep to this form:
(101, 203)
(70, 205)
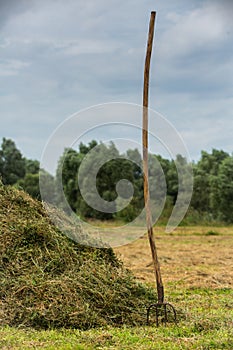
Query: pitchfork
(162, 308)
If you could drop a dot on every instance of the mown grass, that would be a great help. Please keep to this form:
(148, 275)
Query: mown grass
(50, 281)
(46, 277)
(206, 323)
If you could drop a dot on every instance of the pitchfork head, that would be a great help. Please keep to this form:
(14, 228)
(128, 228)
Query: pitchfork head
(164, 312)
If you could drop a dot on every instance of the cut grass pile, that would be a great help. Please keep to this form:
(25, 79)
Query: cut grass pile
(49, 281)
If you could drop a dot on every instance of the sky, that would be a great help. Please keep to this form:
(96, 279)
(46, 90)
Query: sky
(59, 57)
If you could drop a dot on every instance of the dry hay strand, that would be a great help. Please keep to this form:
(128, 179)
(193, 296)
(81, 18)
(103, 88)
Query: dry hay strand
(48, 280)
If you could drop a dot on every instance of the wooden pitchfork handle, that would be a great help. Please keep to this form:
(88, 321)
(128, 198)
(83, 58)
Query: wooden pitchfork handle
(159, 283)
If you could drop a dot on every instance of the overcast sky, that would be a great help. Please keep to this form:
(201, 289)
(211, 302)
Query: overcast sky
(60, 56)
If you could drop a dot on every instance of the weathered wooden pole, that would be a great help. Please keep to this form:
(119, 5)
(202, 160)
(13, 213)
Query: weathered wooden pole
(159, 283)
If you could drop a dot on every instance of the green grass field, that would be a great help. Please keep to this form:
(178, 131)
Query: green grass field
(196, 265)
(207, 324)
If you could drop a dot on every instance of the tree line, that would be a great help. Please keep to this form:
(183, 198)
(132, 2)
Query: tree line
(212, 198)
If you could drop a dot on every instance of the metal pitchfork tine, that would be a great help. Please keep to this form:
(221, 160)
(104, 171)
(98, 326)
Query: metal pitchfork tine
(158, 306)
(160, 290)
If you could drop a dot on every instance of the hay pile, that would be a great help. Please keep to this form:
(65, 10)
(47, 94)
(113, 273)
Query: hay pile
(48, 280)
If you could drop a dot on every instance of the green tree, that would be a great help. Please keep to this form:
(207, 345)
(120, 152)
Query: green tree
(222, 197)
(83, 149)
(30, 184)
(32, 166)
(66, 177)
(172, 181)
(12, 164)
(110, 173)
(130, 167)
(104, 182)
(205, 174)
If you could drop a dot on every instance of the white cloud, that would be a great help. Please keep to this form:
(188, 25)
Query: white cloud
(80, 47)
(203, 28)
(59, 57)
(12, 67)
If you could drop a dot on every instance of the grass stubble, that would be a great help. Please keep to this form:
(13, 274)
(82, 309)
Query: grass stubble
(57, 294)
